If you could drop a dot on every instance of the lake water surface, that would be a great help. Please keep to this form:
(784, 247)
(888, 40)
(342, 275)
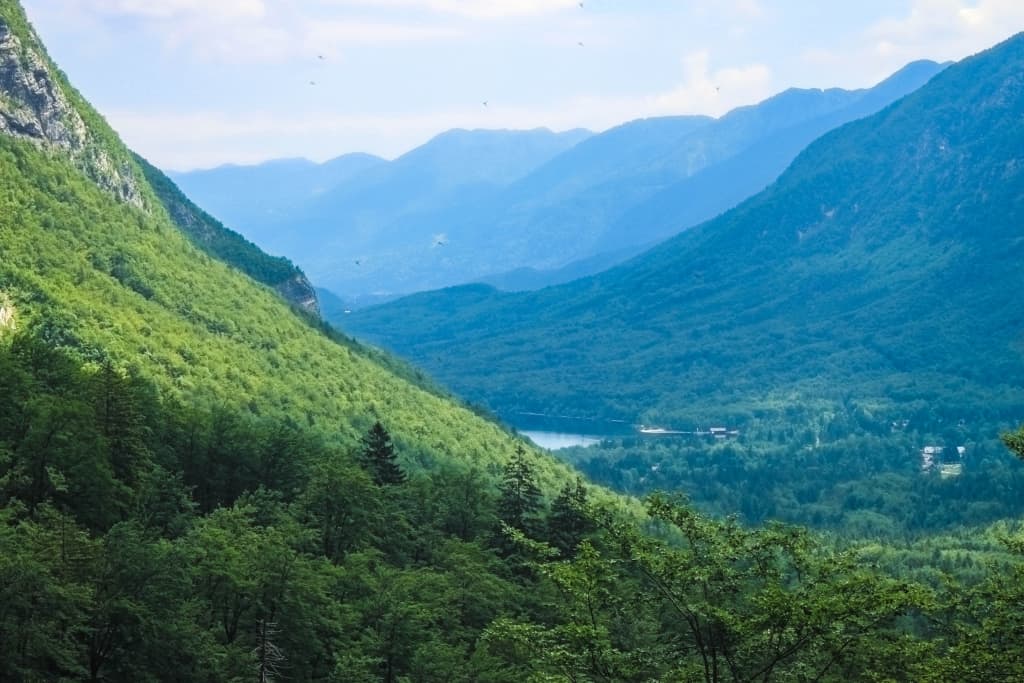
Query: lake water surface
(553, 441)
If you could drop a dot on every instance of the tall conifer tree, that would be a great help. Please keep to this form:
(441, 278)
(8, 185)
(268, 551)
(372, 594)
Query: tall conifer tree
(520, 496)
(379, 458)
(568, 521)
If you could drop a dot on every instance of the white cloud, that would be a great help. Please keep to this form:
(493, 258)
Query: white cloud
(245, 31)
(946, 29)
(750, 9)
(349, 32)
(941, 30)
(475, 9)
(164, 9)
(705, 92)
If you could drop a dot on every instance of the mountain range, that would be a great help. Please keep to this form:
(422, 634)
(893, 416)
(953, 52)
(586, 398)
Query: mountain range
(880, 269)
(516, 208)
(336, 215)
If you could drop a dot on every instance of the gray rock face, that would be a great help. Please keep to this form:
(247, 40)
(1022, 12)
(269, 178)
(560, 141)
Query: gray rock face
(34, 107)
(6, 313)
(300, 292)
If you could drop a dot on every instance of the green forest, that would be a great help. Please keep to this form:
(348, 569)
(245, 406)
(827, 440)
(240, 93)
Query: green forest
(147, 540)
(857, 486)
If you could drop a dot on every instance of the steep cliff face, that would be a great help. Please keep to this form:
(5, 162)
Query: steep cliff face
(299, 291)
(34, 106)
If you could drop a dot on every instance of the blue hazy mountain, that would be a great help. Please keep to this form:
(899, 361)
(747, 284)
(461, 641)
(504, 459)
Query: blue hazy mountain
(333, 214)
(686, 179)
(457, 168)
(250, 197)
(531, 208)
(883, 267)
(601, 198)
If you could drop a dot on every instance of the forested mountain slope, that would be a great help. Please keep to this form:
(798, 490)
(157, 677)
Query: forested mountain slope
(714, 190)
(211, 236)
(881, 268)
(39, 105)
(92, 260)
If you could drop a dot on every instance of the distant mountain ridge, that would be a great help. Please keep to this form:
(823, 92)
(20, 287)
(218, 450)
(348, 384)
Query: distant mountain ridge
(286, 202)
(726, 160)
(881, 268)
(474, 205)
(250, 196)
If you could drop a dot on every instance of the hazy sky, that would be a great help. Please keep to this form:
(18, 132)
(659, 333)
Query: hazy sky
(196, 83)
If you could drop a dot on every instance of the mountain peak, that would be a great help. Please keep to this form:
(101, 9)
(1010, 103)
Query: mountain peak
(465, 138)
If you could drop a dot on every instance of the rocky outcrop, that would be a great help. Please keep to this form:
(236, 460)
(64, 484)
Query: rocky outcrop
(33, 106)
(299, 291)
(6, 314)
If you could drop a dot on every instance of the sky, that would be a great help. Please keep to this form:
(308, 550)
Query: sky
(198, 83)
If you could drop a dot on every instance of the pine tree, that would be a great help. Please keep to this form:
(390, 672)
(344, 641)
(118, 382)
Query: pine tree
(568, 522)
(520, 497)
(378, 457)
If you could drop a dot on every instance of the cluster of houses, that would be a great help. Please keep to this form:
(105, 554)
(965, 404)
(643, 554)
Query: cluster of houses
(717, 433)
(932, 458)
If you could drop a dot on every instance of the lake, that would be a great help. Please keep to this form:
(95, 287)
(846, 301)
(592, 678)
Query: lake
(554, 432)
(553, 441)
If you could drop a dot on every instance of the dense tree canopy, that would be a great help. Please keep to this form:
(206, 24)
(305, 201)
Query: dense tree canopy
(141, 539)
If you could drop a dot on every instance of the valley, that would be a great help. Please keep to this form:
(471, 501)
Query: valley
(849, 294)
(731, 391)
